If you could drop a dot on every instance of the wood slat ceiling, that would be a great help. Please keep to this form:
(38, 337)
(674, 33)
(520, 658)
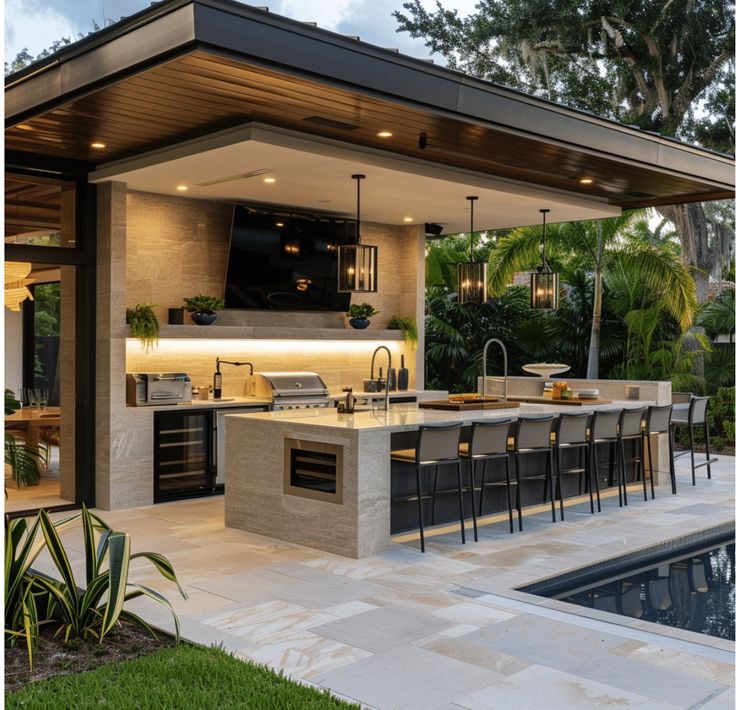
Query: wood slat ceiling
(199, 93)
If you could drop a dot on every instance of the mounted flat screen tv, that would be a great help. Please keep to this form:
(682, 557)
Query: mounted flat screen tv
(282, 261)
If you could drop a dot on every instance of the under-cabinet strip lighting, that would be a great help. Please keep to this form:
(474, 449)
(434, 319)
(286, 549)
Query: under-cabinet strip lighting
(208, 346)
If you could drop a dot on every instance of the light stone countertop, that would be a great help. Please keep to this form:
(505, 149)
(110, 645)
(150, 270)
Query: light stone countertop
(407, 417)
(224, 403)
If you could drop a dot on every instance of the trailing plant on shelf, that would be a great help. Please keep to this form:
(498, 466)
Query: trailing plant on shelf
(407, 325)
(360, 313)
(143, 324)
(203, 308)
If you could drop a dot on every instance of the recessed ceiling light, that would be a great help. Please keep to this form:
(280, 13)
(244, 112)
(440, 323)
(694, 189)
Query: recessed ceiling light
(182, 188)
(98, 145)
(269, 180)
(586, 181)
(384, 134)
(279, 224)
(408, 219)
(24, 127)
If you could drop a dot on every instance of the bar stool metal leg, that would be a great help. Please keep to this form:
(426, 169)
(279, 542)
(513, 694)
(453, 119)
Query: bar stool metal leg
(673, 479)
(460, 500)
(471, 466)
(548, 479)
(641, 473)
(651, 465)
(508, 495)
(558, 486)
(707, 446)
(518, 493)
(419, 504)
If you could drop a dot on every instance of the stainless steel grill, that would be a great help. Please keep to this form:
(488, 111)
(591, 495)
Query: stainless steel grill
(290, 390)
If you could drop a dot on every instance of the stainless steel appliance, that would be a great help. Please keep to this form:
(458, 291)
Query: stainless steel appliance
(289, 390)
(150, 388)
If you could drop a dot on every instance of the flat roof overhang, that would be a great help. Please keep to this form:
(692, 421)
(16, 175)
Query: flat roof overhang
(185, 69)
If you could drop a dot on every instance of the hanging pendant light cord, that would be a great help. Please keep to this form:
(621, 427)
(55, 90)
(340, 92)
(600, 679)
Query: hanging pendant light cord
(472, 258)
(544, 238)
(357, 178)
(472, 203)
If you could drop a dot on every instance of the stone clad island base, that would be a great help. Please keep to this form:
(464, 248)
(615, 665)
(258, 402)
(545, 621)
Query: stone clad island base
(267, 492)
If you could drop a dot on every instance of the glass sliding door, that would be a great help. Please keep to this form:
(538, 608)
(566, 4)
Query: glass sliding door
(49, 366)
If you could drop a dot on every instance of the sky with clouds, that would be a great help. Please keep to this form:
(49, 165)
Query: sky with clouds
(36, 24)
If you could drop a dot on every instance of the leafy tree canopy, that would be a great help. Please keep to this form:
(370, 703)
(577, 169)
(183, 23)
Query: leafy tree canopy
(664, 65)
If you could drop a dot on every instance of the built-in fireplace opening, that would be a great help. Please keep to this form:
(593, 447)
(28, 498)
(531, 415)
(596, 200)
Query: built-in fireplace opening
(313, 469)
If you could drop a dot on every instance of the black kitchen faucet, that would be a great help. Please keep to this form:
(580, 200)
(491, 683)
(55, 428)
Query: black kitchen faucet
(217, 384)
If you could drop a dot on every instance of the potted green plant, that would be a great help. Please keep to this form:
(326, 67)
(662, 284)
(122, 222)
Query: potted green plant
(359, 314)
(143, 324)
(407, 325)
(203, 308)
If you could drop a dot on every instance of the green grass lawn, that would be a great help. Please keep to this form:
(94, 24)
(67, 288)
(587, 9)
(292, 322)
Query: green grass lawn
(181, 677)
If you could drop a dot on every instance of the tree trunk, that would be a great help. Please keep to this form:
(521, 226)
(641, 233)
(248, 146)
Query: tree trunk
(691, 224)
(595, 330)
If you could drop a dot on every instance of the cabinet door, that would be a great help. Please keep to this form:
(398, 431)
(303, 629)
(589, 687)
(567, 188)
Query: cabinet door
(182, 454)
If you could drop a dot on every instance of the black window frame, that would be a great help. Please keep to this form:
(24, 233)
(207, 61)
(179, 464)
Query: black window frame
(82, 256)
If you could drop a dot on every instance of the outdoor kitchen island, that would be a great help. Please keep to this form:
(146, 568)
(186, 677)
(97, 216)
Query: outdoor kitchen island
(273, 456)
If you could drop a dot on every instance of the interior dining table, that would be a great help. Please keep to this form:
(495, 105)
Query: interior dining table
(31, 420)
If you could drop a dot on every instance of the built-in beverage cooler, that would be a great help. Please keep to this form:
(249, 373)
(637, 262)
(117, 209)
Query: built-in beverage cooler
(183, 457)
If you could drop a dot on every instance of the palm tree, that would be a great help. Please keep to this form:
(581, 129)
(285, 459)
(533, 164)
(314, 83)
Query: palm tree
(602, 247)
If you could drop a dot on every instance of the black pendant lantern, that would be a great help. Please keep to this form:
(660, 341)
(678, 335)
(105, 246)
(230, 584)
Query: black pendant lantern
(544, 283)
(357, 264)
(472, 275)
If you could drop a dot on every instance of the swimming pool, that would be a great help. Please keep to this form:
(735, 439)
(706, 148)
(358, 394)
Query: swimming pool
(691, 588)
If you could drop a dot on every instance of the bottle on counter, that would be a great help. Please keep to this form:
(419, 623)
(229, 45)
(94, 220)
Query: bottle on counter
(403, 380)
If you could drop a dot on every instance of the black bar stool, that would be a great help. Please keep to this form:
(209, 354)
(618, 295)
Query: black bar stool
(571, 432)
(436, 446)
(657, 421)
(604, 430)
(630, 428)
(532, 436)
(488, 442)
(697, 415)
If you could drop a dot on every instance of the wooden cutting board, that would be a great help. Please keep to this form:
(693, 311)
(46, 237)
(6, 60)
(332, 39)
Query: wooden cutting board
(466, 406)
(571, 402)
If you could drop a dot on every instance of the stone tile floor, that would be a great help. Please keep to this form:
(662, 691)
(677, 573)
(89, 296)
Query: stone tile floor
(445, 629)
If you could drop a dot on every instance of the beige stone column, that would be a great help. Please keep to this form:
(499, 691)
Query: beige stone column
(110, 348)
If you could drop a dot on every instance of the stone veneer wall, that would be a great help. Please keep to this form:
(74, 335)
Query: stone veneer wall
(178, 247)
(160, 249)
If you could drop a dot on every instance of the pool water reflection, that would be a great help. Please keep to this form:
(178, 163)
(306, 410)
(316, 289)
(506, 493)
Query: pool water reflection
(694, 592)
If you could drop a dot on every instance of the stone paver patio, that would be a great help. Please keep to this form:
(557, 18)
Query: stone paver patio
(445, 629)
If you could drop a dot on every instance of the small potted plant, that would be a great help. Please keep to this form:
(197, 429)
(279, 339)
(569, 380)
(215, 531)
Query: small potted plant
(359, 314)
(203, 308)
(143, 324)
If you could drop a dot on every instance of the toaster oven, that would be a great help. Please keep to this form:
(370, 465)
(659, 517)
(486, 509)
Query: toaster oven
(151, 388)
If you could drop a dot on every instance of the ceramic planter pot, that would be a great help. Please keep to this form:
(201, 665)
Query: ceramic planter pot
(204, 317)
(359, 323)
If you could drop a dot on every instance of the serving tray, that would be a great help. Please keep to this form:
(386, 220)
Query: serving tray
(571, 402)
(465, 406)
